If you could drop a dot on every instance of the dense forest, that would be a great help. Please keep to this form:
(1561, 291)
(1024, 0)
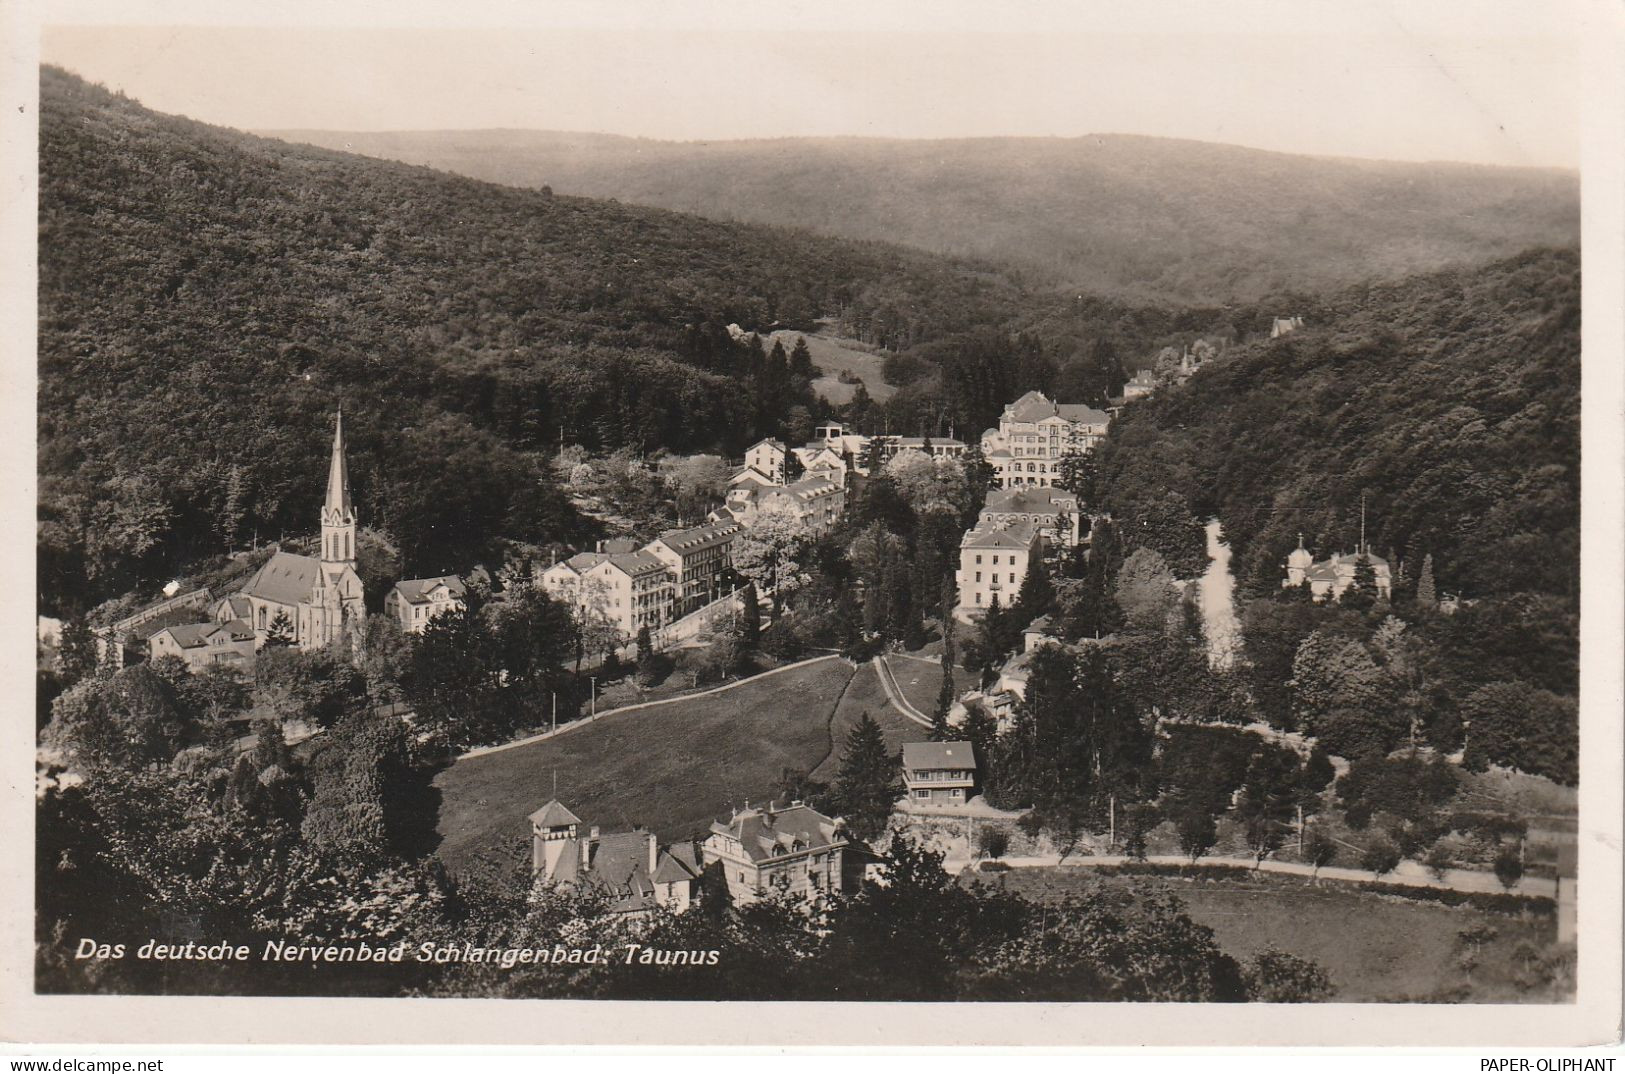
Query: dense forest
(1150, 219)
(208, 298)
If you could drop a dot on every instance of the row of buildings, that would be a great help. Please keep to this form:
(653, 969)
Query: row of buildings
(793, 849)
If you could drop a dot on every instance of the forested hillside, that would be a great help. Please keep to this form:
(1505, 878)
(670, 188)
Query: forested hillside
(1150, 219)
(1452, 401)
(207, 298)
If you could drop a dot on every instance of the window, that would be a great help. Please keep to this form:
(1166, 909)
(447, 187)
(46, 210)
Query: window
(978, 561)
(978, 598)
(922, 793)
(978, 576)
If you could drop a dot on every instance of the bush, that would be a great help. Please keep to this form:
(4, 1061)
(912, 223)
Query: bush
(993, 842)
(1439, 861)
(1380, 857)
(1509, 866)
(1277, 977)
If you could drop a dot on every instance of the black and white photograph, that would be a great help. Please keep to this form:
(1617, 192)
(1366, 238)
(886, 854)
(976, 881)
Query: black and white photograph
(930, 507)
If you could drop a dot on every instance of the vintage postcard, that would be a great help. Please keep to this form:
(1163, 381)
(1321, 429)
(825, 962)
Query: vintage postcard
(944, 523)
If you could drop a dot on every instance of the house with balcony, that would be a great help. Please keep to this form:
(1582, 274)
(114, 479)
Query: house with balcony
(939, 773)
(698, 559)
(1054, 511)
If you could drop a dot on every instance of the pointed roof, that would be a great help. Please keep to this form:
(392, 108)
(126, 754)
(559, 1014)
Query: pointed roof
(553, 815)
(338, 474)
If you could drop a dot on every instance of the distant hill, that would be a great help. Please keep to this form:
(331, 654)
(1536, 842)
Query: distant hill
(207, 298)
(1142, 218)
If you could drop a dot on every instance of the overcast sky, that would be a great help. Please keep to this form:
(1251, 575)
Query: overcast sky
(1492, 81)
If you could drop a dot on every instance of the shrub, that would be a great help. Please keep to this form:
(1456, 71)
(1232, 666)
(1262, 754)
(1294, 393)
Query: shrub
(993, 842)
(1277, 977)
(1509, 866)
(1380, 857)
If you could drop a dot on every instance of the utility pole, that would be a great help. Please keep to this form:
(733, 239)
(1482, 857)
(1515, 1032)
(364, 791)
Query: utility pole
(1300, 833)
(555, 724)
(1111, 815)
(594, 679)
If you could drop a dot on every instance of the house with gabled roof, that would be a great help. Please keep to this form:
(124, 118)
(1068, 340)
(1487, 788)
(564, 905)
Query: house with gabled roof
(413, 602)
(632, 869)
(993, 561)
(201, 645)
(1035, 433)
(939, 773)
(793, 849)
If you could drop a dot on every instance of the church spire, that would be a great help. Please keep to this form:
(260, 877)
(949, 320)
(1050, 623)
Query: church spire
(338, 474)
(338, 513)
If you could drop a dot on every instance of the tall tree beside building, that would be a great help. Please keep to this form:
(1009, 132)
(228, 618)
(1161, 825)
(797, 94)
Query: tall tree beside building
(868, 784)
(280, 632)
(1036, 597)
(801, 363)
(75, 651)
(1361, 593)
(750, 616)
(1426, 595)
(945, 701)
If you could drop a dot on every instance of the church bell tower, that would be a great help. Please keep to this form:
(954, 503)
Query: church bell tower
(338, 514)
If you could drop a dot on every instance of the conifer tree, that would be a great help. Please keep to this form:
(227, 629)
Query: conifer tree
(1362, 591)
(1426, 595)
(750, 617)
(981, 730)
(950, 626)
(1036, 595)
(867, 785)
(75, 651)
(945, 701)
(280, 632)
(801, 364)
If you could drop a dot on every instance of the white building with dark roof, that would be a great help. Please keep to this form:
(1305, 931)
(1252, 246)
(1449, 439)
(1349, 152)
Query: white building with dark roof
(1054, 511)
(1034, 433)
(793, 849)
(413, 602)
(1331, 576)
(202, 645)
(636, 873)
(993, 561)
(698, 558)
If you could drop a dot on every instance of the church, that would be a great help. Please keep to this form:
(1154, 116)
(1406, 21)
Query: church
(319, 596)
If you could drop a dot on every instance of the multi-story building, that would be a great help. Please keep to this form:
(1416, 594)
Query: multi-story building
(630, 590)
(632, 868)
(939, 773)
(816, 502)
(795, 849)
(414, 601)
(767, 458)
(1331, 576)
(993, 561)
(1054, 511)
(562, 580)
(698, 558)
(202, 645)
(1034, 433)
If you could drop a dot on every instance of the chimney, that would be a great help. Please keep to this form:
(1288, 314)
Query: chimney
(654, 853)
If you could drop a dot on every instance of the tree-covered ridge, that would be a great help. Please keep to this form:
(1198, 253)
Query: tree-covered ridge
(1450, 401)
(207, 298)
(1137, 217)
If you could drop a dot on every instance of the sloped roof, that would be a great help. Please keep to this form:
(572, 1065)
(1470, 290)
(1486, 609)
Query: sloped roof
(619, 864)
(633, 564)
(1034, 406)
(416, 590)
(239, 606)
(197, 635)
(1028, 499)
(285, 578)
(759, 831)
(616, 545)
(678, 862)
(553, 815)
(815, 485)
(1082, 413)
(938, 755)
(700, 537)
(1018, 536)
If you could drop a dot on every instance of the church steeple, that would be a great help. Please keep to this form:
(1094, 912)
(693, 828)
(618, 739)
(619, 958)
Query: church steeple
(338, 514)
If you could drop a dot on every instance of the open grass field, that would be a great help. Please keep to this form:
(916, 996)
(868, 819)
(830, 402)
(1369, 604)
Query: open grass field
(865, 694)
(671, 769)
(919, 680)
(831, 353)
(1377, 948)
